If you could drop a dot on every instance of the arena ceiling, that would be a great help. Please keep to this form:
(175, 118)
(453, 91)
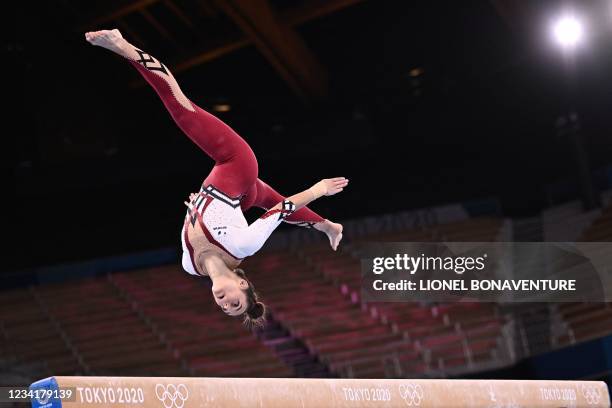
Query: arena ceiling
(266, 66)
(427, 94)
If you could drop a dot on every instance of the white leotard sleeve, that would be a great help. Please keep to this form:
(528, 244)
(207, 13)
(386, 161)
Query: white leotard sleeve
(248, 240)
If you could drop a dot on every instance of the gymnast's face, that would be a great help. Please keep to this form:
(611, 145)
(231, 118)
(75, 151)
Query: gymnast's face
(229, 295)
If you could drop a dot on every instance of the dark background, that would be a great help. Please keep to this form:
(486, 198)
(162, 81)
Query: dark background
(97, 167)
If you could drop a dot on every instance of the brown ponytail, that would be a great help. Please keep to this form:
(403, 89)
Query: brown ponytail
(255, 314)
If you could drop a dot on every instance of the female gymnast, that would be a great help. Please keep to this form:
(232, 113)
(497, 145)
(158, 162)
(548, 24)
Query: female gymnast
(215, 235)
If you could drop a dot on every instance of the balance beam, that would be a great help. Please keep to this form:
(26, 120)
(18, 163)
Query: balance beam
(166, 392)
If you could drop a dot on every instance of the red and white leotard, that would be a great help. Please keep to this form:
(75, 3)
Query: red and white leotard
(214, 221)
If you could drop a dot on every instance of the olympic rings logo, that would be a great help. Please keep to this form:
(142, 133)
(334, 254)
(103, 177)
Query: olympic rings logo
(591, 394)
(172, 396)
(411, 394)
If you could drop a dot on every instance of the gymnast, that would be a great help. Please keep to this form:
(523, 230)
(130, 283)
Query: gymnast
(215, 236)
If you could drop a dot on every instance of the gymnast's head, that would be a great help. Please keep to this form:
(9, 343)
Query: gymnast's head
(236, 296)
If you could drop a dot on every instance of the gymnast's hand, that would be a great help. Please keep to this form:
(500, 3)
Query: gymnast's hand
(192, 197)
(325, 187)
(329, 187)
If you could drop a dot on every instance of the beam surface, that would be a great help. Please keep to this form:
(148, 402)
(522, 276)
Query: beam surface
(169, 392)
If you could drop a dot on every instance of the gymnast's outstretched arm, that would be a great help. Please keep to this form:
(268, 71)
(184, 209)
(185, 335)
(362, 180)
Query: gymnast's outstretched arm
(250, 239)
(325, 187)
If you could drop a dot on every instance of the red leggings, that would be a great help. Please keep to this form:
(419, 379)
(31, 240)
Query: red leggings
(235, 169)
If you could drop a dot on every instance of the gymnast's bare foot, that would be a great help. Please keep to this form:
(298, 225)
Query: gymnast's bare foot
(109, 39)
(333, 231)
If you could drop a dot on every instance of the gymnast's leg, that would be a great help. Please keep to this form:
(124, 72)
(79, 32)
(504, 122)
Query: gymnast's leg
(235, 163)
(263, 196)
